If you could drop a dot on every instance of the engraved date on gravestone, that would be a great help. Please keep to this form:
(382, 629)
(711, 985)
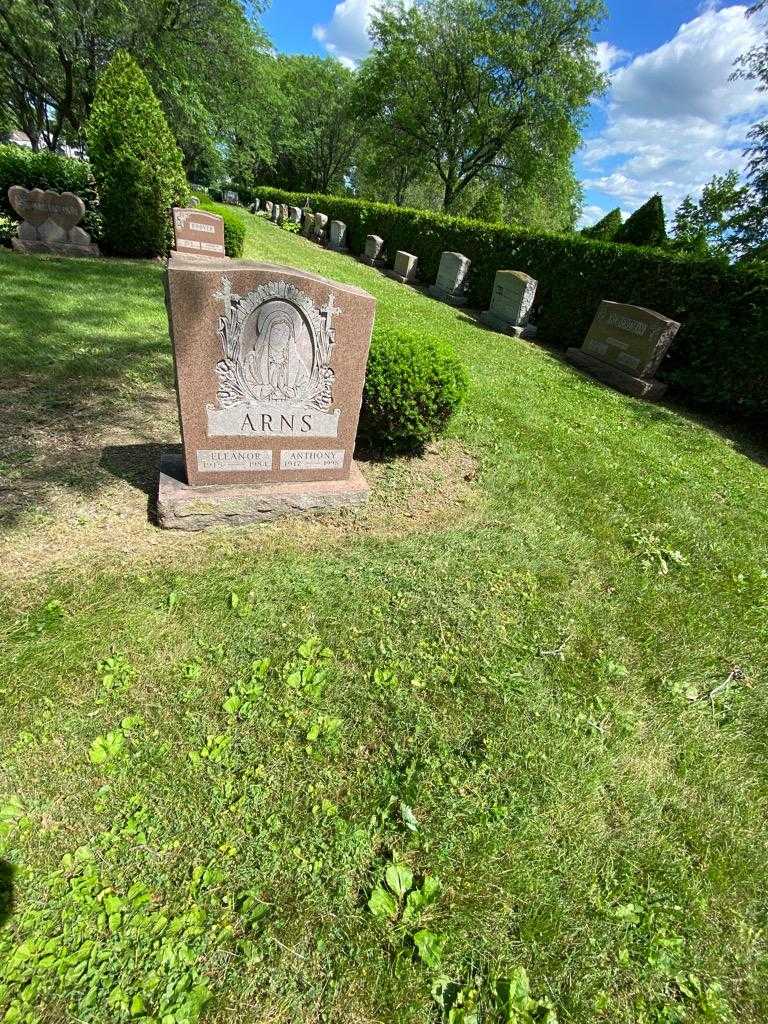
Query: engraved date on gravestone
(275, 377)
(220, 460)
(306, 458)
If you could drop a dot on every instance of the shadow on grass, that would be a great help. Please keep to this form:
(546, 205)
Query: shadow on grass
(137, 464)
(7, 873)
(85, 351)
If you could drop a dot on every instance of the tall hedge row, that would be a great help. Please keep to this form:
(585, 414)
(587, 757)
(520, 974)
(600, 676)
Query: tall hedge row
(720, 356)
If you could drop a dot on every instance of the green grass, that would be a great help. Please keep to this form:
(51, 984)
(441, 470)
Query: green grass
(522, 700)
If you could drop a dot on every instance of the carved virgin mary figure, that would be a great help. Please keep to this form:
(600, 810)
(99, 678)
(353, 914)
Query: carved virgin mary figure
(274, 369)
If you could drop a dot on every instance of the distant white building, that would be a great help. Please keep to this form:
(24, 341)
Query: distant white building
(17, 138)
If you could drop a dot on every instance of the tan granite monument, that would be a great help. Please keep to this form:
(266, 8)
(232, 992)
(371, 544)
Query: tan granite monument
(270, 365)
(625, 346)
(374, 246)
(198, 233)
(50, 222)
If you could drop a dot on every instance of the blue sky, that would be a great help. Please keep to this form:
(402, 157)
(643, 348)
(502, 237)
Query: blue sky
(670, 120)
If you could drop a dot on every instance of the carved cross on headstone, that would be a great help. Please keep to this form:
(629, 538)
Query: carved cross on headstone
(226, 295)
(329, 311)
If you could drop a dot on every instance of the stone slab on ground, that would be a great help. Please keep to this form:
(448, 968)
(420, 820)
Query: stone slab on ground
(182, 507)
(54, 248)
(450, 297)
(639, 387)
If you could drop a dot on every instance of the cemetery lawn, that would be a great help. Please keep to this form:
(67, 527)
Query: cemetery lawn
(512, 716)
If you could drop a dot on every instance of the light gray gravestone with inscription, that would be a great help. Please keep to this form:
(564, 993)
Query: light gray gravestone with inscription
(294, 214)
(625, 346)
(50, 222)
(337, 236)
(451, 284)
(374, 246)
(231, 197)
(276, 211)
(511, 301)
(268, 207)
(404, 269)
(270, 365)
(320, 227)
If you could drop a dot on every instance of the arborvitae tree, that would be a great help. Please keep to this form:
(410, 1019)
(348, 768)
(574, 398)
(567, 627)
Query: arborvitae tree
(606, 229)
(136, 162)
(646, 226)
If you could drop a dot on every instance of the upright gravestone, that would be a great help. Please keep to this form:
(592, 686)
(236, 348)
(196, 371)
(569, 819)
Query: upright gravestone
(320, 227)
(451, 284)
(337, 236)
(276, 211)
(404, 269)
(511, 301)
(270, 365)
(198, 233)
(625, 346)
(231, 197)
(373, 250)
(294, 214)
(255, 205)
(268, 207)
(50, 222)
(194, 201)
(308, 228)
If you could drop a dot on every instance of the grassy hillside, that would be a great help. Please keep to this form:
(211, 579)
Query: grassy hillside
(233, 765)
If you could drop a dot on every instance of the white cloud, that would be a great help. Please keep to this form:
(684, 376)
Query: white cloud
(673, 117)
(590, 215)
(608, 56)
(346, 34)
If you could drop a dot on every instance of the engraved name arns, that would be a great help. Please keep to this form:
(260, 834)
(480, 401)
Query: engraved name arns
(248, 460)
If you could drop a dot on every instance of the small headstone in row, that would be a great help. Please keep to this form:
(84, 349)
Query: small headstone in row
(197, 233)
(404, 269)
(270, 364)
(374, 246)
(337, 236)
(231, 197)
(268, 208)
(308, 228)
(451, 284)
(321, 224)
(294, 214)
(254, 207)
(625, 346)
(194, 201)
(275, 213)
(50, 222)
(511, 301)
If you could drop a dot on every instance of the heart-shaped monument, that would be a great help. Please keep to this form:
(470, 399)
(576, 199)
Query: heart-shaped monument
(36, 206)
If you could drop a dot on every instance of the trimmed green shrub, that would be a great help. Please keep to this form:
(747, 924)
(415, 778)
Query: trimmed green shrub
(413, 385)
(136, 162)
(20, 166)
(720, 356)
(646, 226)
(605, 230)
(234, 226)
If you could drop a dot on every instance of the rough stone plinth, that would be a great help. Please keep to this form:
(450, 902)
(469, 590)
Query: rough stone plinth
(182, 507)
(404, 269)
(639, 387)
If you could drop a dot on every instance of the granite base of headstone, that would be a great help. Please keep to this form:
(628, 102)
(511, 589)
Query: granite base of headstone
(50, 223)
(451, 284)
(511, 303)
(270, 365)
(404, 269)
(337, 236)
(373, 254)
(624, 348)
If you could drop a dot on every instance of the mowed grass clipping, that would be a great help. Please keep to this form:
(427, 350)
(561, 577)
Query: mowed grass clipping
(510, 767)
